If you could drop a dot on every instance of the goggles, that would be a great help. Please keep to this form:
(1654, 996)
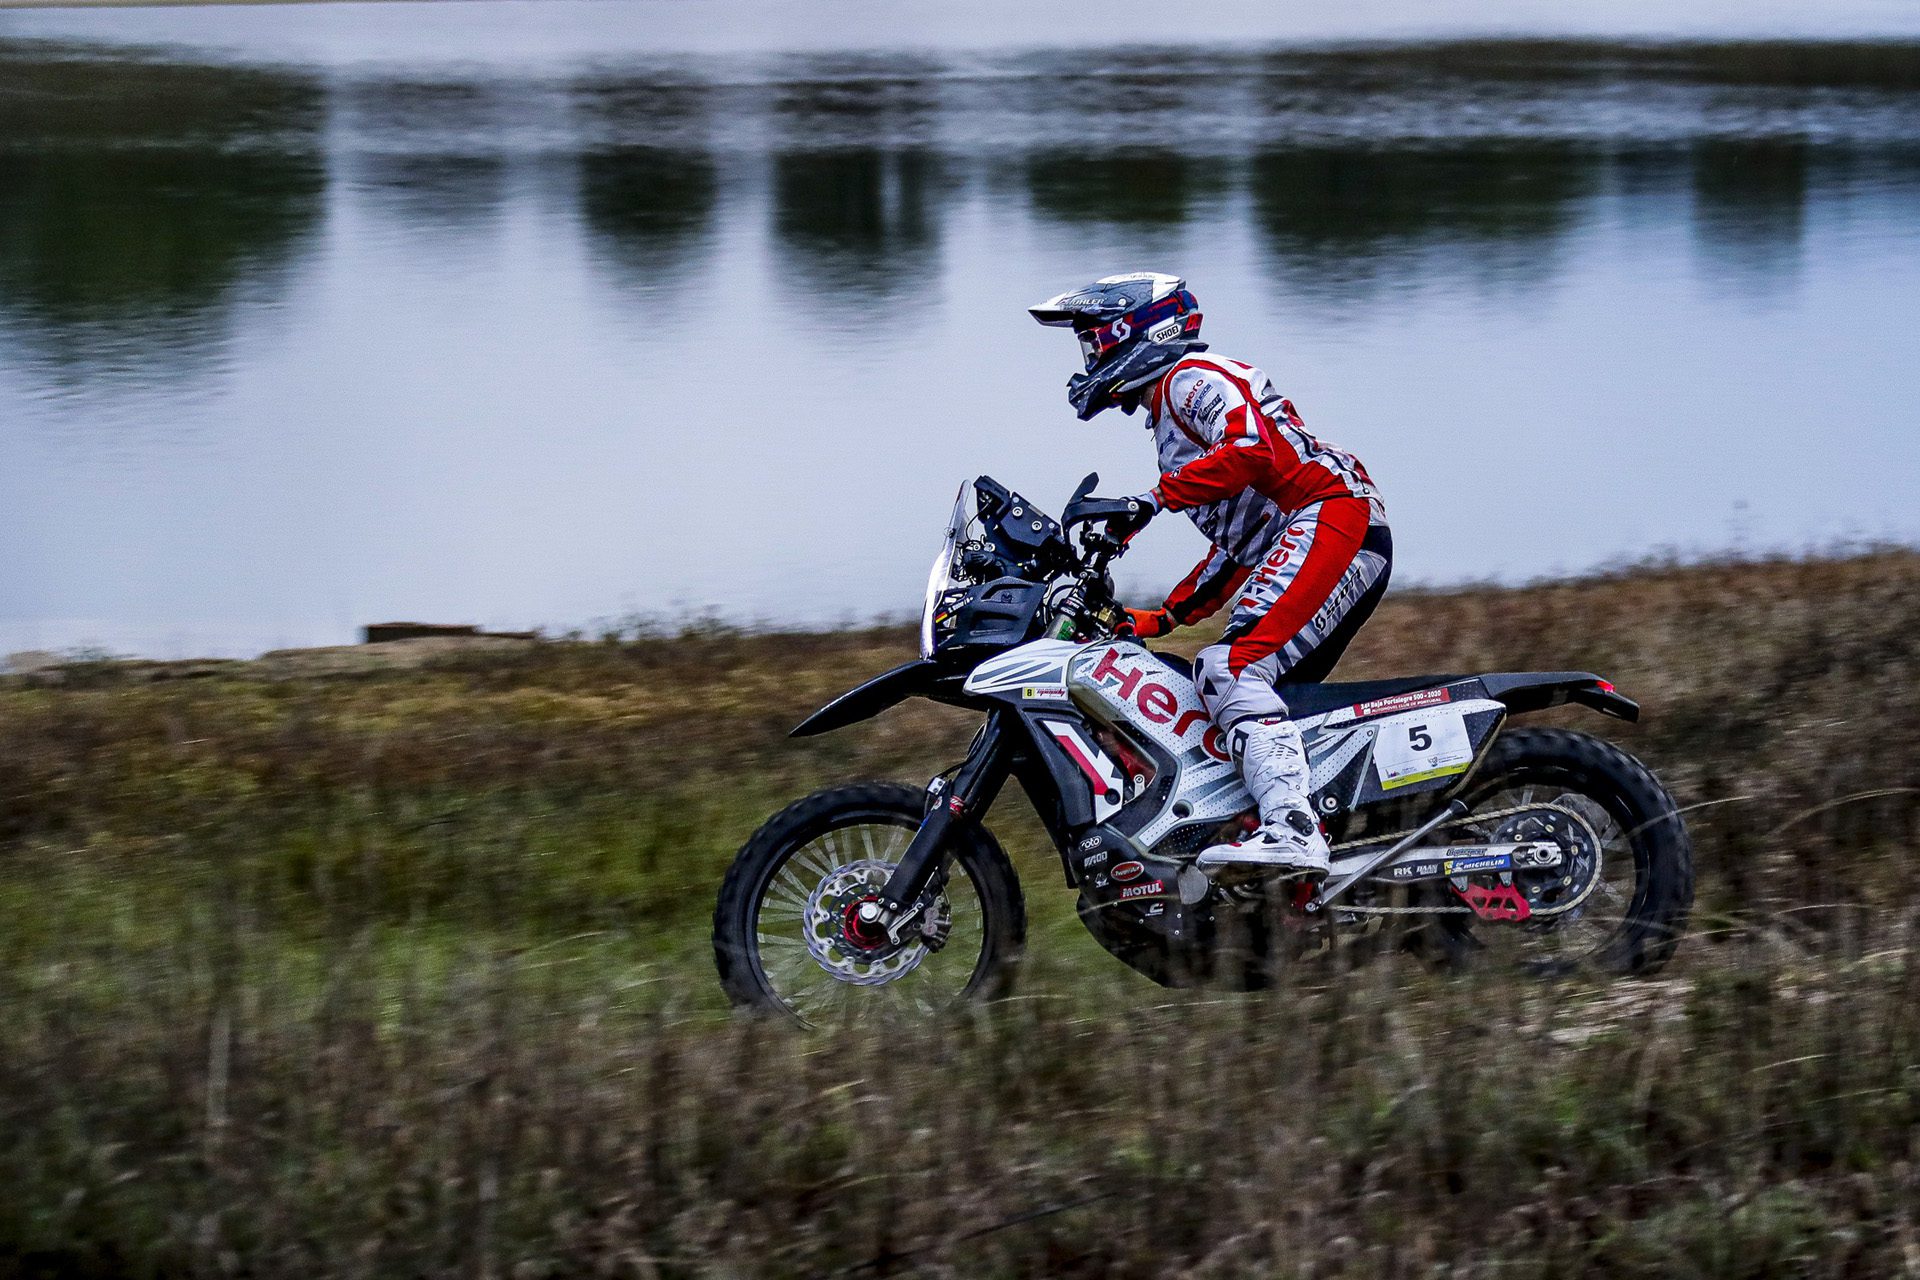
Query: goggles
(1097, 342)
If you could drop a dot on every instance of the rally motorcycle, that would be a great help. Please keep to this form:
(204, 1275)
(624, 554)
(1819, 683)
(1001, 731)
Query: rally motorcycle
(1453, 835)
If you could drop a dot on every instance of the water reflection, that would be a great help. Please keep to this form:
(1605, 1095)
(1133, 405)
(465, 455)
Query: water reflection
(1345, 220)
(139, 202)
(1132, 188)
(651, 210)
(431, 154)
(1750, 208)
(649, 175)
(1360, 170)
(859, 194)
(860, 224)
(496, 236)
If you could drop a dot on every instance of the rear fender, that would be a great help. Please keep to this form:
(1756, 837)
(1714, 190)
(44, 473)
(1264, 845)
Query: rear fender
(1538, 690)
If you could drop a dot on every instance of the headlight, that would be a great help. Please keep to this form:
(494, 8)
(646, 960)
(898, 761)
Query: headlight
(940, 579)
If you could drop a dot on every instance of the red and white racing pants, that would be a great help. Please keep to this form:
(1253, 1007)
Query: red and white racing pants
(1298, 611)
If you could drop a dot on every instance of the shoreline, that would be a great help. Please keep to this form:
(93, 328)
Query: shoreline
(50, 668)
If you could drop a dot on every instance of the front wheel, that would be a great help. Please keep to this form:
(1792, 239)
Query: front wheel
(787, 935)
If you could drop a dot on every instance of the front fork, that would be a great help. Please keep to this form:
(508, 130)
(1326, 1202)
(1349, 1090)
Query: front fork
(989, 762)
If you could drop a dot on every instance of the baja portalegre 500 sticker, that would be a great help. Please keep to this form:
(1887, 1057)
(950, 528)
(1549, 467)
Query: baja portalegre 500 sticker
(1420, 746)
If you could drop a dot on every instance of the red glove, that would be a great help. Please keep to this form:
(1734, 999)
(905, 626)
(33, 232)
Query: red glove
(1148, 623)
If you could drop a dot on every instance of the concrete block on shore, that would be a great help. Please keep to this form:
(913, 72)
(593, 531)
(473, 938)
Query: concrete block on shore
(388, 632)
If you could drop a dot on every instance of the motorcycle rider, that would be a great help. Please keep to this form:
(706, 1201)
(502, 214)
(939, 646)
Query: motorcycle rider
(1299, 534)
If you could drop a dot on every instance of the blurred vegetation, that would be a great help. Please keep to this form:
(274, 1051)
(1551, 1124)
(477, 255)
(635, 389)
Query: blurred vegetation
(407, 972)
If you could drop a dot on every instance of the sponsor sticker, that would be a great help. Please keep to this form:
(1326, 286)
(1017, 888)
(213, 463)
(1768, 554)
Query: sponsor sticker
(1419, 748)
(1485, 862)
(1125, 871)
(1096, 858)
(1044, 693)
(1146, 890)
(1404, 702)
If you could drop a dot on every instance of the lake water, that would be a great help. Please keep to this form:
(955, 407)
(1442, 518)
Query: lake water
(538, 314)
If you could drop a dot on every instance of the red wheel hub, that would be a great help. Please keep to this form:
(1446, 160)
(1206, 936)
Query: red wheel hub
(867, 935)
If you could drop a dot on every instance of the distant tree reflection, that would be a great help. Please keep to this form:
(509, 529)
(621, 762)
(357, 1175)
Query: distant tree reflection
(650, 209)
(1749, 209)
(1138, 188)
(1342, 221)
(432, 154)
(650, 179)
(859, 193)
(858, 223)
(140, 201)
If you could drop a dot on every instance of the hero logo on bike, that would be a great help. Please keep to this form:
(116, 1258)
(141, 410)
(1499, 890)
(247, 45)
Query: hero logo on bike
(1125, 871)
(1156, 703)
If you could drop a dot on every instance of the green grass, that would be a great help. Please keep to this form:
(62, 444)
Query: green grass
(407, 973)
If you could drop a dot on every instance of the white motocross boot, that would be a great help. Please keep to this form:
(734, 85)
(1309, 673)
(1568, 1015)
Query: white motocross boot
(1273, 764)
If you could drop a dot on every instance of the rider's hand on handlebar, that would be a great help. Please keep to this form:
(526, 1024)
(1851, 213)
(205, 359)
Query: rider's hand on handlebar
(1149, 623)
(1124, 517)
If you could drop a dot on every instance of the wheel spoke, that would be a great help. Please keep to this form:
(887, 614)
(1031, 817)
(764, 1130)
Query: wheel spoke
(786, 904)
(820, 971)
(817, 862)
(791, 883)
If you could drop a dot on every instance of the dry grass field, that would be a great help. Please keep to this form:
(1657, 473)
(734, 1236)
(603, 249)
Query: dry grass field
(404, 972)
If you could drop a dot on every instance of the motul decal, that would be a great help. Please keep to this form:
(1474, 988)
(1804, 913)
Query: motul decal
(1146, 890)
(1404, 702)
(1125, 871)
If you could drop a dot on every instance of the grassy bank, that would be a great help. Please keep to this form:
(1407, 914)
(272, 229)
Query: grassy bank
(406, 972)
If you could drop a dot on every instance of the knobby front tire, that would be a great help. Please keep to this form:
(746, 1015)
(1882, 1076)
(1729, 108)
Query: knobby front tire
(775, 942)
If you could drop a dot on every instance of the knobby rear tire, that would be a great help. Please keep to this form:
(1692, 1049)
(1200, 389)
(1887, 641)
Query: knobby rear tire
(1663, 851)
(735, 948)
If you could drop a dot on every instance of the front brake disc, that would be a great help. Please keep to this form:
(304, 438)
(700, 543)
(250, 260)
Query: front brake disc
(831, 935)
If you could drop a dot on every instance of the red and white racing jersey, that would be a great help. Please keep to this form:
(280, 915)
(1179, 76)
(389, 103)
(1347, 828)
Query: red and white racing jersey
(1239, 461)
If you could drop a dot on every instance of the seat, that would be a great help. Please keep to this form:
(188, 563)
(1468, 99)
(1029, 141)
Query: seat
(1316, 699)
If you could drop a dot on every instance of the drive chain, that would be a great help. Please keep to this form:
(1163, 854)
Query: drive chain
(1495, 816)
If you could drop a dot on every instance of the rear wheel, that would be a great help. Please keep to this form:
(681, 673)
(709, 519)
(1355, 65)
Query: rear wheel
(1620, 901)
(788, 936)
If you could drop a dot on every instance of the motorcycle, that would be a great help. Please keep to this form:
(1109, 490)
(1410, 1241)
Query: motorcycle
(1453, 835)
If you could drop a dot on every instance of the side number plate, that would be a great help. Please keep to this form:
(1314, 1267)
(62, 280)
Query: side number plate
(1420, 746)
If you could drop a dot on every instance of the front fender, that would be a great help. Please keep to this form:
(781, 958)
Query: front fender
(921, 678)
